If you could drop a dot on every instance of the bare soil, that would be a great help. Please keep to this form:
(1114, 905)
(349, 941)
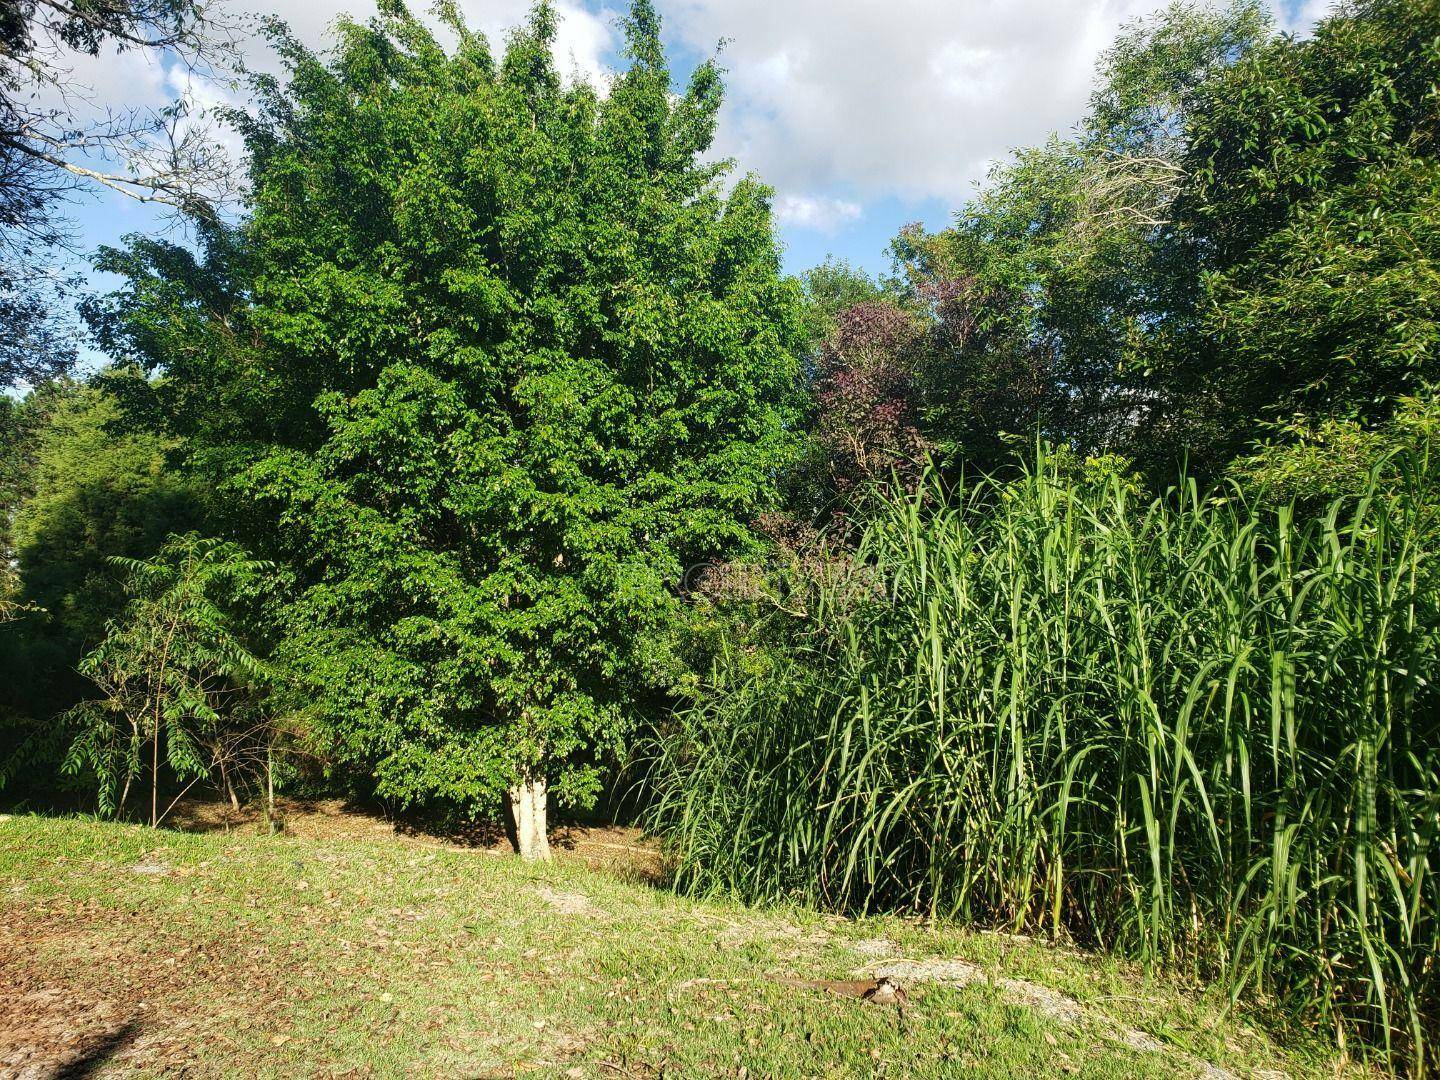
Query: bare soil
(617, 849)
(54, 1027)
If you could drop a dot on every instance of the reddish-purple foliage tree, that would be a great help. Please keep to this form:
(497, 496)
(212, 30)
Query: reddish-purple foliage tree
(866, 431)
(867, 396)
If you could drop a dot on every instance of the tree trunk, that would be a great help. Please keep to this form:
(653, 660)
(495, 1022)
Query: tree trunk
(229, 787)
(270, 818)
(155, 777)
(527, 808)
(131, 771)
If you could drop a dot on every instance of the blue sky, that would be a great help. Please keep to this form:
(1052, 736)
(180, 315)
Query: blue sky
(864, 117)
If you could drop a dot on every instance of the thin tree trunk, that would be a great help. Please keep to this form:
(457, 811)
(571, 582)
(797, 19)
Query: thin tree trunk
(527, 808)
(130, 769)
(229, 787)
(155, 777)
(157, 684)
(270, 789)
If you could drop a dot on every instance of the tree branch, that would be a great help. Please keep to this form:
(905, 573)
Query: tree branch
(116, 29)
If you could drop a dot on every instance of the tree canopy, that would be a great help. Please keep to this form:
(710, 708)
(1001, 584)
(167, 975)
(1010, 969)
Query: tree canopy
(1313, 204)
(53, 141)
(84, 492)
(492, 359)
(1239, 238)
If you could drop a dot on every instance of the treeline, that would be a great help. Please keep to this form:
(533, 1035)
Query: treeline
(1078, 575)
(1166, 684)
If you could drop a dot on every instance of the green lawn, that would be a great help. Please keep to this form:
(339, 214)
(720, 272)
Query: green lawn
(124, 950)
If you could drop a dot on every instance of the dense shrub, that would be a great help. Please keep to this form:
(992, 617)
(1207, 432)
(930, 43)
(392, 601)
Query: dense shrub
(1189, 727)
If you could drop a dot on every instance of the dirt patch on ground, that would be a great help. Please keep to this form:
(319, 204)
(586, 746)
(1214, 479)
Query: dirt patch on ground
(51, 1032)
(308, 819)
(74, 1018)
(620, 850)
(875, 947)
(568, 903)
(1051, 1004)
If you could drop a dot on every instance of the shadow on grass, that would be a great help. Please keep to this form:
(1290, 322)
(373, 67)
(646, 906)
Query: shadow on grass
(621, 850)
(95, 1053)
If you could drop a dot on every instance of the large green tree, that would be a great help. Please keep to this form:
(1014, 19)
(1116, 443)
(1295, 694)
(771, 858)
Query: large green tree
(1062, 281)
(492, 359)
(1312, 202)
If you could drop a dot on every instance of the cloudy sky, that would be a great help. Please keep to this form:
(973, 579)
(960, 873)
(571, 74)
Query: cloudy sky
(863, 115)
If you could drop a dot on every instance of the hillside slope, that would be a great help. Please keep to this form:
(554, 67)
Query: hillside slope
(126, 951)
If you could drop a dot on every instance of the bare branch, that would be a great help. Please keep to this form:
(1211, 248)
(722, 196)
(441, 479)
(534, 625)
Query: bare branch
(116, 28)
(142, 189)
(166, 157)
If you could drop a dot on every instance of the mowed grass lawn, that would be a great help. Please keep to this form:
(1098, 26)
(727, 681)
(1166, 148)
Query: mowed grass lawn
(127, 951)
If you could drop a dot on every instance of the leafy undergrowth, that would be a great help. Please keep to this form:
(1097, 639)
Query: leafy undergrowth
(129, 951)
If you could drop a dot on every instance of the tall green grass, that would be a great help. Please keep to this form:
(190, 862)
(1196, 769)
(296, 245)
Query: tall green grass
(1190, 728)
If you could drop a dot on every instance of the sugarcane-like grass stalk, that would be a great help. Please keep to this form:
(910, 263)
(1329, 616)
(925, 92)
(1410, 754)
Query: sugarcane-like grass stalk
(1191, 728)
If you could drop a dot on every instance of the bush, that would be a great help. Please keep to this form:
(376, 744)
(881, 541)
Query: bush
(1189, 727)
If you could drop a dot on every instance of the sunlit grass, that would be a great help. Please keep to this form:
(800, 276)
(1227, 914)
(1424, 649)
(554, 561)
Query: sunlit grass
(248, 955)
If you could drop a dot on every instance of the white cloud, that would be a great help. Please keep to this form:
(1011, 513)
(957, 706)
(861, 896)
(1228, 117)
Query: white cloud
(583, 41)
(137, 79)
(584, 37)
(92, 86)
(836, 103)
(816, 212)
(1301, 19)
(909, 97)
